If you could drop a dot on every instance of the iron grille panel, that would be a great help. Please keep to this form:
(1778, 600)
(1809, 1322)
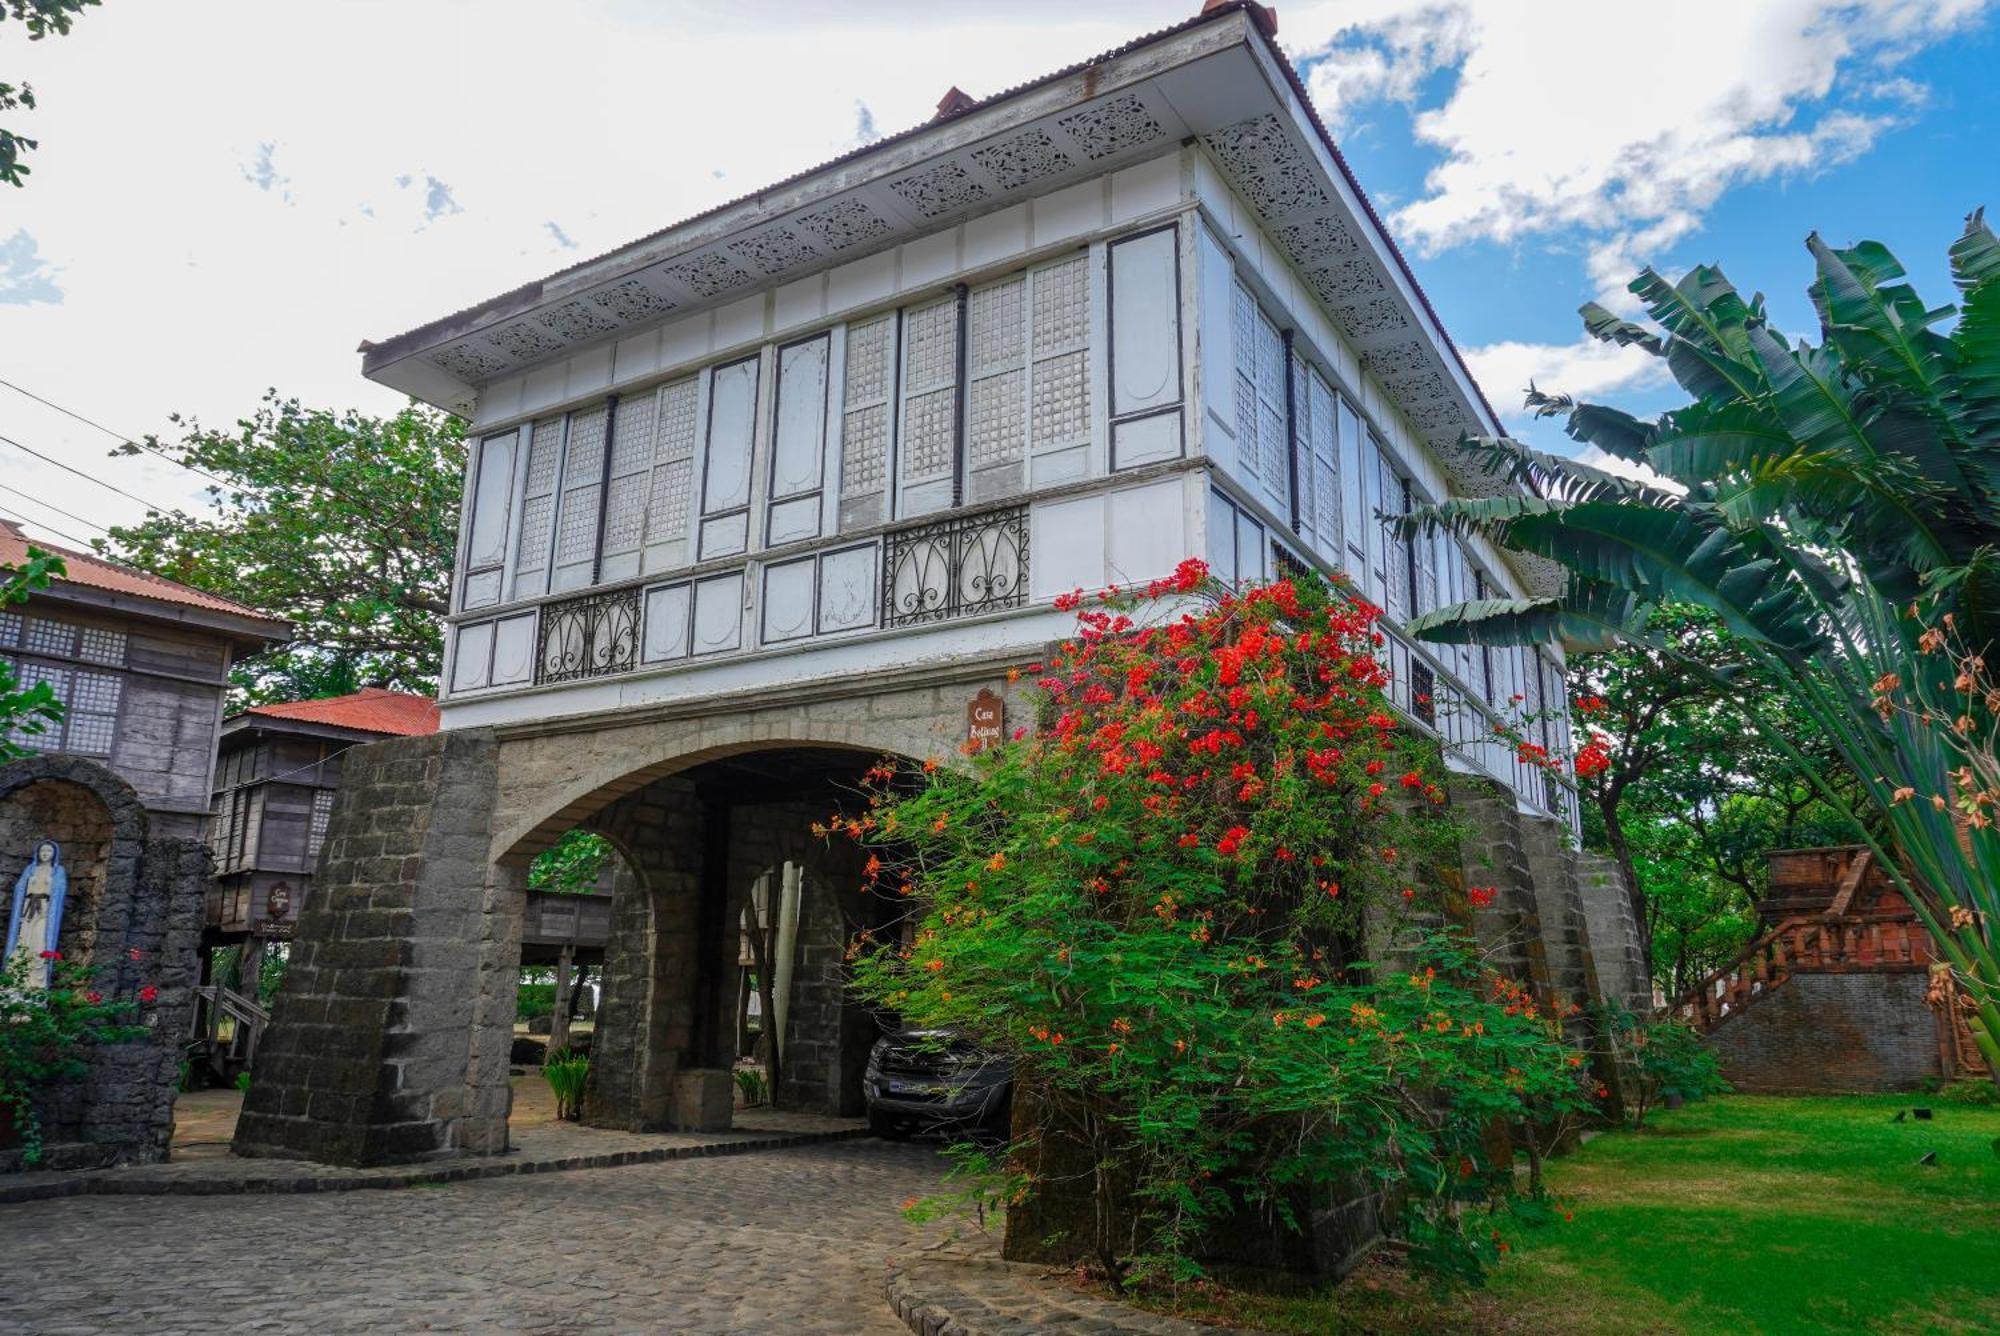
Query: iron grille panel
(596, 635)
(1423, 691)
(959, 566)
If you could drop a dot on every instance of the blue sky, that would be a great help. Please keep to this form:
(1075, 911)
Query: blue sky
(231, 195)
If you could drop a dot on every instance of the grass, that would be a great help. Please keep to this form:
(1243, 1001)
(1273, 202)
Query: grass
(1742, 1215)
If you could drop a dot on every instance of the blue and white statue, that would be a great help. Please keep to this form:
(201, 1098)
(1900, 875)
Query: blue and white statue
(36, 919)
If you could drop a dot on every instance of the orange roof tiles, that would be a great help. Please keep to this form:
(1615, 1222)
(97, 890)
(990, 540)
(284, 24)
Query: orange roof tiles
(371, 709)
(94, 572)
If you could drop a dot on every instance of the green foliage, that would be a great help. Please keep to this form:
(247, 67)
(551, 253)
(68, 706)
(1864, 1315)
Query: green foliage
(572, 865)
(1975, 1094)
(1835, 507)
(1740, 1214)
(1667, 1062)
(1154, 905)
(566, 1073)
(43, 1035)
(41, 18)
(342, 523)
(756, 1089)
(33, 709)
(534, 999)
(1690, 802)
(243, 1082)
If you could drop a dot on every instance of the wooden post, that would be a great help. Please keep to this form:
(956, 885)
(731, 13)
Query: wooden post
(559, 1018)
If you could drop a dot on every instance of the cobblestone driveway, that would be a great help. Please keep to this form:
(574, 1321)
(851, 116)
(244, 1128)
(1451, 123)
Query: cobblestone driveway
(779, 1242)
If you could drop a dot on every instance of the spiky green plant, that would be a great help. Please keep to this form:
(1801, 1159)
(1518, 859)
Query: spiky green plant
(1837, 505)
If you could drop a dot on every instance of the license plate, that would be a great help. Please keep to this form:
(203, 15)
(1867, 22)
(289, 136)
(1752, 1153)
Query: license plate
(915, 1088)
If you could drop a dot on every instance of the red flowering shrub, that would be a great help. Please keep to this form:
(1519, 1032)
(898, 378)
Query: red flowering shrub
(1155, 902)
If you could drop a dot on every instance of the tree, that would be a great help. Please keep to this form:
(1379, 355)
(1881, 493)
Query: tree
(42, 17)
(1836, 506)
(34, 708)
(1195, 909)
(1686, 800)
(343, 523)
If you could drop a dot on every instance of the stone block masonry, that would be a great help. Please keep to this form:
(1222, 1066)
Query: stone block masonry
(403, 951)
(133, 918)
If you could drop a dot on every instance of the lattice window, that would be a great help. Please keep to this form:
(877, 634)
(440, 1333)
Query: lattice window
(631, 472)
(322, 816)
(997, 349)
(1264, 452)
(864, 451)
(1059, 352)
(930, 353)
(670, 492)
(582, 496)
(47, 637)
(10, 628)
(102, 646)
(1396, 550)
(538, 491)
(1321, 438)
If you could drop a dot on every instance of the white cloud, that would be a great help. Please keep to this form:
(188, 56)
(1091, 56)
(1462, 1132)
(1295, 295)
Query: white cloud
(1578, 117)
(1586, 369)
(188, 282)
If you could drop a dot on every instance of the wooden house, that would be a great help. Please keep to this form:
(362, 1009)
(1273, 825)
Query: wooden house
(275, 775)
(140, 664)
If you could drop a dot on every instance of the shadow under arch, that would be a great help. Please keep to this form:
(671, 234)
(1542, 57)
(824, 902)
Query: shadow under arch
(695, 835)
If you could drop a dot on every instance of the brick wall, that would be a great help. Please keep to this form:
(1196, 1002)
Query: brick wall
(1831, 1032)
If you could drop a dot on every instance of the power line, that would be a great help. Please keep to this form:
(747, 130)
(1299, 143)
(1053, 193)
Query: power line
(70, 468)
(70, 537)
(30, 496)
(120, 437)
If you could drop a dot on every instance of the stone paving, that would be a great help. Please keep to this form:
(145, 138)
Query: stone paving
(785, 1241)
(201, 1161)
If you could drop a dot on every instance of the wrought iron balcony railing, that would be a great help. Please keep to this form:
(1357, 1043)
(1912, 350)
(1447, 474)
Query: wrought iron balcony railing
(957, 566)
(595, 635)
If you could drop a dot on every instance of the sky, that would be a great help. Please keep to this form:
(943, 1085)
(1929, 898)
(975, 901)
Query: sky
(230, 196)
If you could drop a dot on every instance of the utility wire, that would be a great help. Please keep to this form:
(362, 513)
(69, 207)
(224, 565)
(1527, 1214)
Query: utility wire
(70, 537)
(30, 496)
(120, 437)
(70, 468)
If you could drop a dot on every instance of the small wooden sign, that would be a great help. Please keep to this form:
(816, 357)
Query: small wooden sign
(985, 720)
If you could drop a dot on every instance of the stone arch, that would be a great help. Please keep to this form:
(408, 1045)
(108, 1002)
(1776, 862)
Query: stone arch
(132, 916)
(101, 824)
(553, 776)
(693, 842)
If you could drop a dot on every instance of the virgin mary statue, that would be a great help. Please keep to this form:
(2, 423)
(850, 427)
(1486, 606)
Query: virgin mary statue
(36, 917)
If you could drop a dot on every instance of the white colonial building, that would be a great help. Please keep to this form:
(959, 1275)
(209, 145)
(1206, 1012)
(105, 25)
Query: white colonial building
(883, 412)
(797, 483)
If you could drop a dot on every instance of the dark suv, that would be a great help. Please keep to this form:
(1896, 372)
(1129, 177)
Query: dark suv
(932, 1081)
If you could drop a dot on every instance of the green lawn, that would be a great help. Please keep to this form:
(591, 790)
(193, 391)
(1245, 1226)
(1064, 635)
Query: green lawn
(1745, 1214)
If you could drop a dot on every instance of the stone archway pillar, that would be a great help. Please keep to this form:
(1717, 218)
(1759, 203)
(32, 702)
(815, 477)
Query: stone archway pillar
(389, 1037)
(644, 1033)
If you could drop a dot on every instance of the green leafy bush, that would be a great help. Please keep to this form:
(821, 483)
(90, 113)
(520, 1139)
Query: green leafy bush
(44, 1033)
(1154, 905)
(566, 1073)
(753, 1084)
(1666, 1061)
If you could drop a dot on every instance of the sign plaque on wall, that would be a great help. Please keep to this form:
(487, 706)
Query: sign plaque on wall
(985, 720)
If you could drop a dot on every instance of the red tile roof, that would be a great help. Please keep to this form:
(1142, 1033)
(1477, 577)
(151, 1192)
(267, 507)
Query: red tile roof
(94, 572)
(371, 710)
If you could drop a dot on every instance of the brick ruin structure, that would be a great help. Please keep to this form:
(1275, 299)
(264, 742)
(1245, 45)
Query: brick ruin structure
(1840, 990)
